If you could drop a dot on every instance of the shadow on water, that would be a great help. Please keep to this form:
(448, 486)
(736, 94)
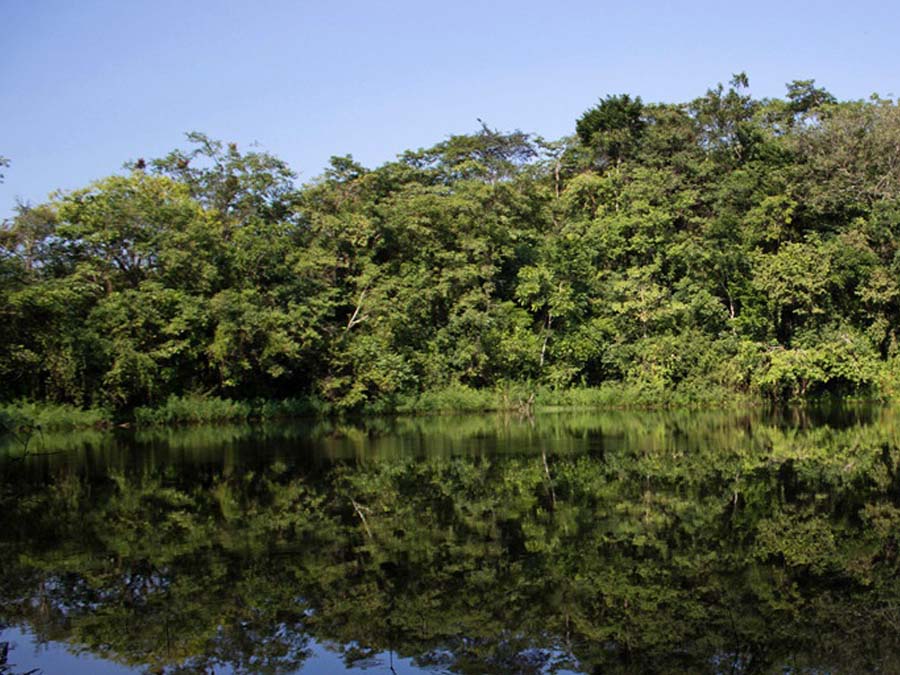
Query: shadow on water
(614, 542)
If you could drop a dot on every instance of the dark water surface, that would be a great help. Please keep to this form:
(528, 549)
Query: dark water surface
(714, 542)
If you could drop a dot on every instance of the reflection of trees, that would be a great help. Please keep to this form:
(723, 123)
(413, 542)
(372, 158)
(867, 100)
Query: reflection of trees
(675, 549)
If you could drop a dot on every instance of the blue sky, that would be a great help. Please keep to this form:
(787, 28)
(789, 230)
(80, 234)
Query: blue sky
(88, 85)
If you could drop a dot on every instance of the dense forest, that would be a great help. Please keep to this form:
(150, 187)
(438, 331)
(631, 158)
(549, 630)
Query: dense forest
(727, 245)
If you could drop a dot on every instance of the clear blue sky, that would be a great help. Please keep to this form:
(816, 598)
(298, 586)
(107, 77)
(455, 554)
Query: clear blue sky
(86, 85)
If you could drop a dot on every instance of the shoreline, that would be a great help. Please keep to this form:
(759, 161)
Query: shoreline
(192, 410)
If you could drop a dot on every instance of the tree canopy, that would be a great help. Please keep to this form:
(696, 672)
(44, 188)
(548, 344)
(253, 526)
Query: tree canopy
(725, 244)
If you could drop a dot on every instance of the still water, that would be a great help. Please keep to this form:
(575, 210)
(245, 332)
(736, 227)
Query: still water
(712, 542)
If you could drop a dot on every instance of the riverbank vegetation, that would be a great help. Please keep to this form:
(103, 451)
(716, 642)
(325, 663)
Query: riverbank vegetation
(522, 399)
(727, 246)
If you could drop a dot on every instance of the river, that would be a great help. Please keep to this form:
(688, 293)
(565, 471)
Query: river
(579, 542)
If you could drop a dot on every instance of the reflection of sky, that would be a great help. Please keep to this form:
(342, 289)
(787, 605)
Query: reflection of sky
(54, 658)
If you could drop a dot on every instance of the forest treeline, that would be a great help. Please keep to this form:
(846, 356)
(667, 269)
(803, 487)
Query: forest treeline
(727, 245)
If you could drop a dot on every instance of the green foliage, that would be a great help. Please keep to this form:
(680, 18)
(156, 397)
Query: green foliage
(24, 415)
(197, 409)
(613, 126)
(180, 410)
(842, 364)
(453, 398)
(719, 248)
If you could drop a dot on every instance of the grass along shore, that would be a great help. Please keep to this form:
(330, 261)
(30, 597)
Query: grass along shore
(199, 409)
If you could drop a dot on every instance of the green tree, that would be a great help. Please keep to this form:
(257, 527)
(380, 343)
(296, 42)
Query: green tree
(613, 127)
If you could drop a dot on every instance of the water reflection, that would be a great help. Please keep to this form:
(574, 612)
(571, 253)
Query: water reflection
(613, 543)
